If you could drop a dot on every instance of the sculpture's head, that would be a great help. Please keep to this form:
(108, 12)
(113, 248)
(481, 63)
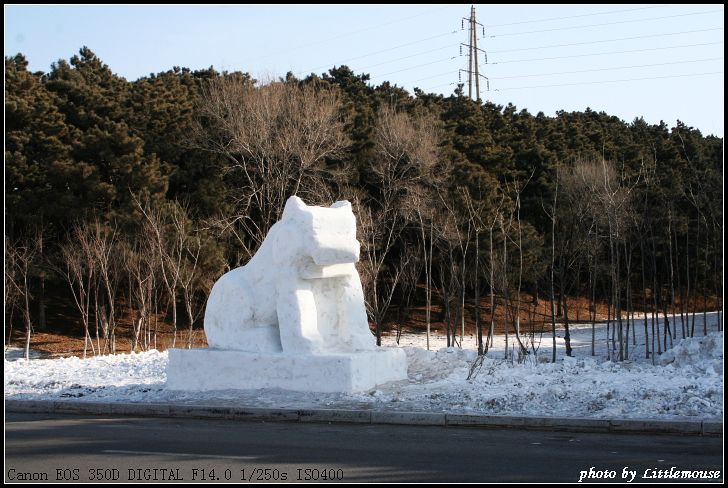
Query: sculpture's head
(327, 234)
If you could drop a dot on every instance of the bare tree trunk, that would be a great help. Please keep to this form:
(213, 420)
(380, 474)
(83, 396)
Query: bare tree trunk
(553, 262)
(505, 286)
(592, 303)
(565, 309)
(680, 287)
(618, 300)
(644, 295)
(478, 325)
(26, 311)
(655, 306)
(173, 301)
(609, 319)
(666, 327)
(97, 317)
(672, 270)
(190, 317)
(462, 305)
(429, 285)
(567, 337)
(697, 262)
(719, 279)
(705, 283)
(628, 291)
(21, 257)
(446, 310)
(492, 290)
(687, 280)
(524, 350)
(428, 269)
(42, 325)
(655, 334)
(9, 311)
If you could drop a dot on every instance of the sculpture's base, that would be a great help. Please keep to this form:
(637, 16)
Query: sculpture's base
(213, 369)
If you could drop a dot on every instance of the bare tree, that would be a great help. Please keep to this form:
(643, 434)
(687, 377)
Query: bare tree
(449, 271)
(576, 234)
(610, 209)
(422, 211)
(275, 138)
(552, 216)
(424, 214)
(79, 270)
(477, 215)
(411, 271)
(491, 223)
(517, 191)
(12, 292)
(105, 247)
(198, 268)
(139, 255)
(405, 155)
(459, 229)
(379, 276)
(22, 256)
(169, 247)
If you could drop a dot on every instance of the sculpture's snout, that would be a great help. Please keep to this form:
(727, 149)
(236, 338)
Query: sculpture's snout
(346, 253)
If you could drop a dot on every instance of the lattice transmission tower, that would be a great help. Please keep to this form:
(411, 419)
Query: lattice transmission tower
(473, 72)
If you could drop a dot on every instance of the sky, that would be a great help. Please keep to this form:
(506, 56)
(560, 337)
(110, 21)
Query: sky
(659, 62)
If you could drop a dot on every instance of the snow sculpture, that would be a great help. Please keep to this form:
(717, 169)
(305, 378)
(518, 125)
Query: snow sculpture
(293, 317)
(300, 293)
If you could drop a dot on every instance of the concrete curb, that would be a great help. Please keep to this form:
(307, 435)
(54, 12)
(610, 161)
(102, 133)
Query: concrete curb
(570, 424)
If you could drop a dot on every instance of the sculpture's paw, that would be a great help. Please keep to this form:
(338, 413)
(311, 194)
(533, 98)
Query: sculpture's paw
(363, 344)
(305, 345)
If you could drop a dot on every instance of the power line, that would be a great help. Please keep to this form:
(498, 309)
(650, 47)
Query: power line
(438, 86)
(610, 68)
(582, 15)
(448, 72)
(351, 33)
(449, 46)
(568, 72)
(588, 82)
(608, 52)
(607, 40)
(610, 81)
(381, 51)
(605, 23)
(417, 66)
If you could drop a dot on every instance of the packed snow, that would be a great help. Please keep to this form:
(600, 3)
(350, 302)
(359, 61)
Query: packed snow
(686, 381)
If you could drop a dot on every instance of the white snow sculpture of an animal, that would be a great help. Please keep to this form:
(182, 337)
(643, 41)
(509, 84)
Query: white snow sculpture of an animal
(300, 293)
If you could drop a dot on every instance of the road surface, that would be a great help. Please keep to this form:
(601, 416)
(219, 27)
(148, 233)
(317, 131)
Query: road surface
(52, 447)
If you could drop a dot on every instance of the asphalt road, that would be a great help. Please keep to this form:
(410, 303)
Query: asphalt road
(51, 447)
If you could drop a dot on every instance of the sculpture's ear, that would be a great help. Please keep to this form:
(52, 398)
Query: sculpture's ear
(293, 206)
(341, 203)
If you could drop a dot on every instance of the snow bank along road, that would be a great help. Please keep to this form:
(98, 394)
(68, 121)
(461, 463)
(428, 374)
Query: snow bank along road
(685, 384)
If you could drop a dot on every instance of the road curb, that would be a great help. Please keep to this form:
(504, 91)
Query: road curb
(571, 424)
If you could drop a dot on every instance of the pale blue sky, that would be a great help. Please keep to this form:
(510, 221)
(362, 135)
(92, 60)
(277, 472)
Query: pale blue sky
(542, 58)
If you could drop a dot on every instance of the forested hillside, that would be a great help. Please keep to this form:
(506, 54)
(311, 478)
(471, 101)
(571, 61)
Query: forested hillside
(135, 196)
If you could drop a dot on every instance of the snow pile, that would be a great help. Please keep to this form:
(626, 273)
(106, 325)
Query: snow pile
(687, 382)
(581, 387)
(694, 351)
(122, 377)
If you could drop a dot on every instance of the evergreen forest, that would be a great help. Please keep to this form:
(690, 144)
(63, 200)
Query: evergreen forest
(126, 200)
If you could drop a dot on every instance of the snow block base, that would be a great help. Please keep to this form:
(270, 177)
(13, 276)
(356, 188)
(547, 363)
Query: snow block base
(214, 369)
